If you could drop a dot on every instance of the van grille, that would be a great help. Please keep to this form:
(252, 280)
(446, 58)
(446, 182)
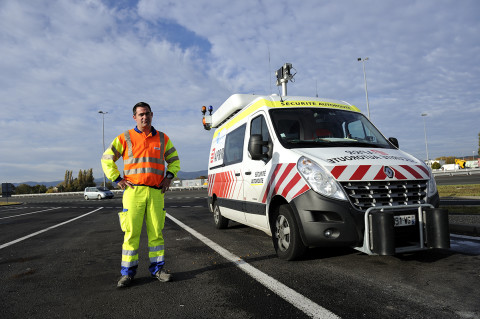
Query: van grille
(386, 193)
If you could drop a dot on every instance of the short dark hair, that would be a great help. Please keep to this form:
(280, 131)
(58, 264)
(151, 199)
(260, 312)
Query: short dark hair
(141, 104)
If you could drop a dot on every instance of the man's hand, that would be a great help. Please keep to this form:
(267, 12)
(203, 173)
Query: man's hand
(165, 184)
(124, 184)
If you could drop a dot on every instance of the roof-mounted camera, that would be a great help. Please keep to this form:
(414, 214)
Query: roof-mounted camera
(283, 76)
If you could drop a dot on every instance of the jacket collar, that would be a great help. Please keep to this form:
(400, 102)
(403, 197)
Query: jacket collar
(154, 132)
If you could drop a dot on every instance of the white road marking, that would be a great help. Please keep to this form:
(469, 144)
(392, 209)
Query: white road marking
(306, 305)
(47, 229)
(40, 211)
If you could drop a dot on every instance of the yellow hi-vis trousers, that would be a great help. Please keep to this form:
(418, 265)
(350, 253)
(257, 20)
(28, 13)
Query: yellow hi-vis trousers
(139, 202)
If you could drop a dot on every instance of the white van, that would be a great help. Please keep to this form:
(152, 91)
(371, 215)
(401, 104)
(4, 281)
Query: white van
(316, 172)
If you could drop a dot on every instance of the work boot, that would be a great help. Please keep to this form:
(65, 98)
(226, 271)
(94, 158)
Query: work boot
(163, 276)
(125, 281)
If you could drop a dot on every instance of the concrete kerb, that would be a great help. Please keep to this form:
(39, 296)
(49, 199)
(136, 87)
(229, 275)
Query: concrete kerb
(464, 229)
(469, 230)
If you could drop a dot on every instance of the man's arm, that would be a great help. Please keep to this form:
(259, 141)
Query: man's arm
(109, 157)
(172, 159)
(173, 165)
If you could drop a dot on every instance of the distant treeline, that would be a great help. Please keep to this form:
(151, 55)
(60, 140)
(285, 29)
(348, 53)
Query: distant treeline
(69, 184)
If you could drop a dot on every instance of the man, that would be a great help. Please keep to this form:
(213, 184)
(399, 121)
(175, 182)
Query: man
(144, 151)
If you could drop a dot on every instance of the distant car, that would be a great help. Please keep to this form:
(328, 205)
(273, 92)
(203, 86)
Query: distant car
(98, 192)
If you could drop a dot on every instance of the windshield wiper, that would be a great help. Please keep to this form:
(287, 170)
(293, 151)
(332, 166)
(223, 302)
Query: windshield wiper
(316, 143)
(307, 141)
(366, 144)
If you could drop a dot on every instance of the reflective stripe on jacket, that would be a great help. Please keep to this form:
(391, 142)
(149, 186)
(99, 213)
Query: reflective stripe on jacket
(144, 157)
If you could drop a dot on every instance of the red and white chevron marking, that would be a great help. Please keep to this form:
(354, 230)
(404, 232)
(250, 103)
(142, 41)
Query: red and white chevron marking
(285, 181)
(376, 172)
(225, 185)
(211, 182)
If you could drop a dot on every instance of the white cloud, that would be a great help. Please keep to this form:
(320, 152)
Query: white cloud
(64, 60)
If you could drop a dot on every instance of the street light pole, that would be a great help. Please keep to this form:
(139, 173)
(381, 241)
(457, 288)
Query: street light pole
(365, 80)
(425, 130)
(103, 140)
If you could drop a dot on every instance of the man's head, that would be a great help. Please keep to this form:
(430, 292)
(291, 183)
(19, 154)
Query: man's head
(142, 114)
(142, 104)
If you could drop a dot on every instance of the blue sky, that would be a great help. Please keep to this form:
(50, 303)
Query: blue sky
(63, 61)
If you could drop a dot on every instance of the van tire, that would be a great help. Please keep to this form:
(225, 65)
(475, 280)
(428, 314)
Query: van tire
(86, 197)
(220, 221)
(99, 197)
(286, 236)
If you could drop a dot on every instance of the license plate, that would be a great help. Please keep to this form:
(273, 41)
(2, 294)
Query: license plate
(404, 220)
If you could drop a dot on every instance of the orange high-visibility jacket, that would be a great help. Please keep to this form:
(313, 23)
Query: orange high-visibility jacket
(144, 157)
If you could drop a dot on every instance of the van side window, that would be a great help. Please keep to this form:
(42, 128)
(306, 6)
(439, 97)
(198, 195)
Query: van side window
(259, 126)
(234, 146)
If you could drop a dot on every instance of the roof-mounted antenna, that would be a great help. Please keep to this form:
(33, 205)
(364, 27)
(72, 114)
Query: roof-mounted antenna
(283, 76)
(269, 70)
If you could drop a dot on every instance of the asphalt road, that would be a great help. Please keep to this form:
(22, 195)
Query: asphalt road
(59, 257)
(460, 179)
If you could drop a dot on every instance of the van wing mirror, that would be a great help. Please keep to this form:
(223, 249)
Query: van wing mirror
(394, 141)
(255, 147)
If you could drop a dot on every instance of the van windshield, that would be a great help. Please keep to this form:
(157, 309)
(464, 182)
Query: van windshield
(322, 127)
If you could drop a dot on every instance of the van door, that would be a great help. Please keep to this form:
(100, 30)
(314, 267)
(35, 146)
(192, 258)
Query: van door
(228, 183)
(256, 173)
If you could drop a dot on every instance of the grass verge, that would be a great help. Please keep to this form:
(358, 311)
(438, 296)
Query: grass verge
(9, 203)
(458, 190)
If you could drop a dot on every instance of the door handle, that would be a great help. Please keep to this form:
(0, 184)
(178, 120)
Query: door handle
(237, 174)
(248, 173)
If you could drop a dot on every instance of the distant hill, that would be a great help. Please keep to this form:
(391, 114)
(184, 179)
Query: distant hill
(181, 175)
(191, 175)
(47, 184)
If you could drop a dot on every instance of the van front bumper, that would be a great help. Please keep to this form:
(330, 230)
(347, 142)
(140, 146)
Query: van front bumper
(327, 222)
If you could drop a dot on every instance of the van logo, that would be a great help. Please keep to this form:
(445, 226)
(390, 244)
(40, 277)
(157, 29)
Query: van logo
(389, 172)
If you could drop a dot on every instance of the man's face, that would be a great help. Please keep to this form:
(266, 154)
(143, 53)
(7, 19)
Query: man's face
(143, 117)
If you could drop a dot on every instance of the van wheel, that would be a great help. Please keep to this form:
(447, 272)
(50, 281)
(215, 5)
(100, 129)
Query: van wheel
(286, 236)
(220, 221)
(99, 196)
(86, 197)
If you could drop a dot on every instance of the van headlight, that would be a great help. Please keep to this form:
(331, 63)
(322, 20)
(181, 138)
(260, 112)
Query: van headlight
(431, 185)
(319, 179)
